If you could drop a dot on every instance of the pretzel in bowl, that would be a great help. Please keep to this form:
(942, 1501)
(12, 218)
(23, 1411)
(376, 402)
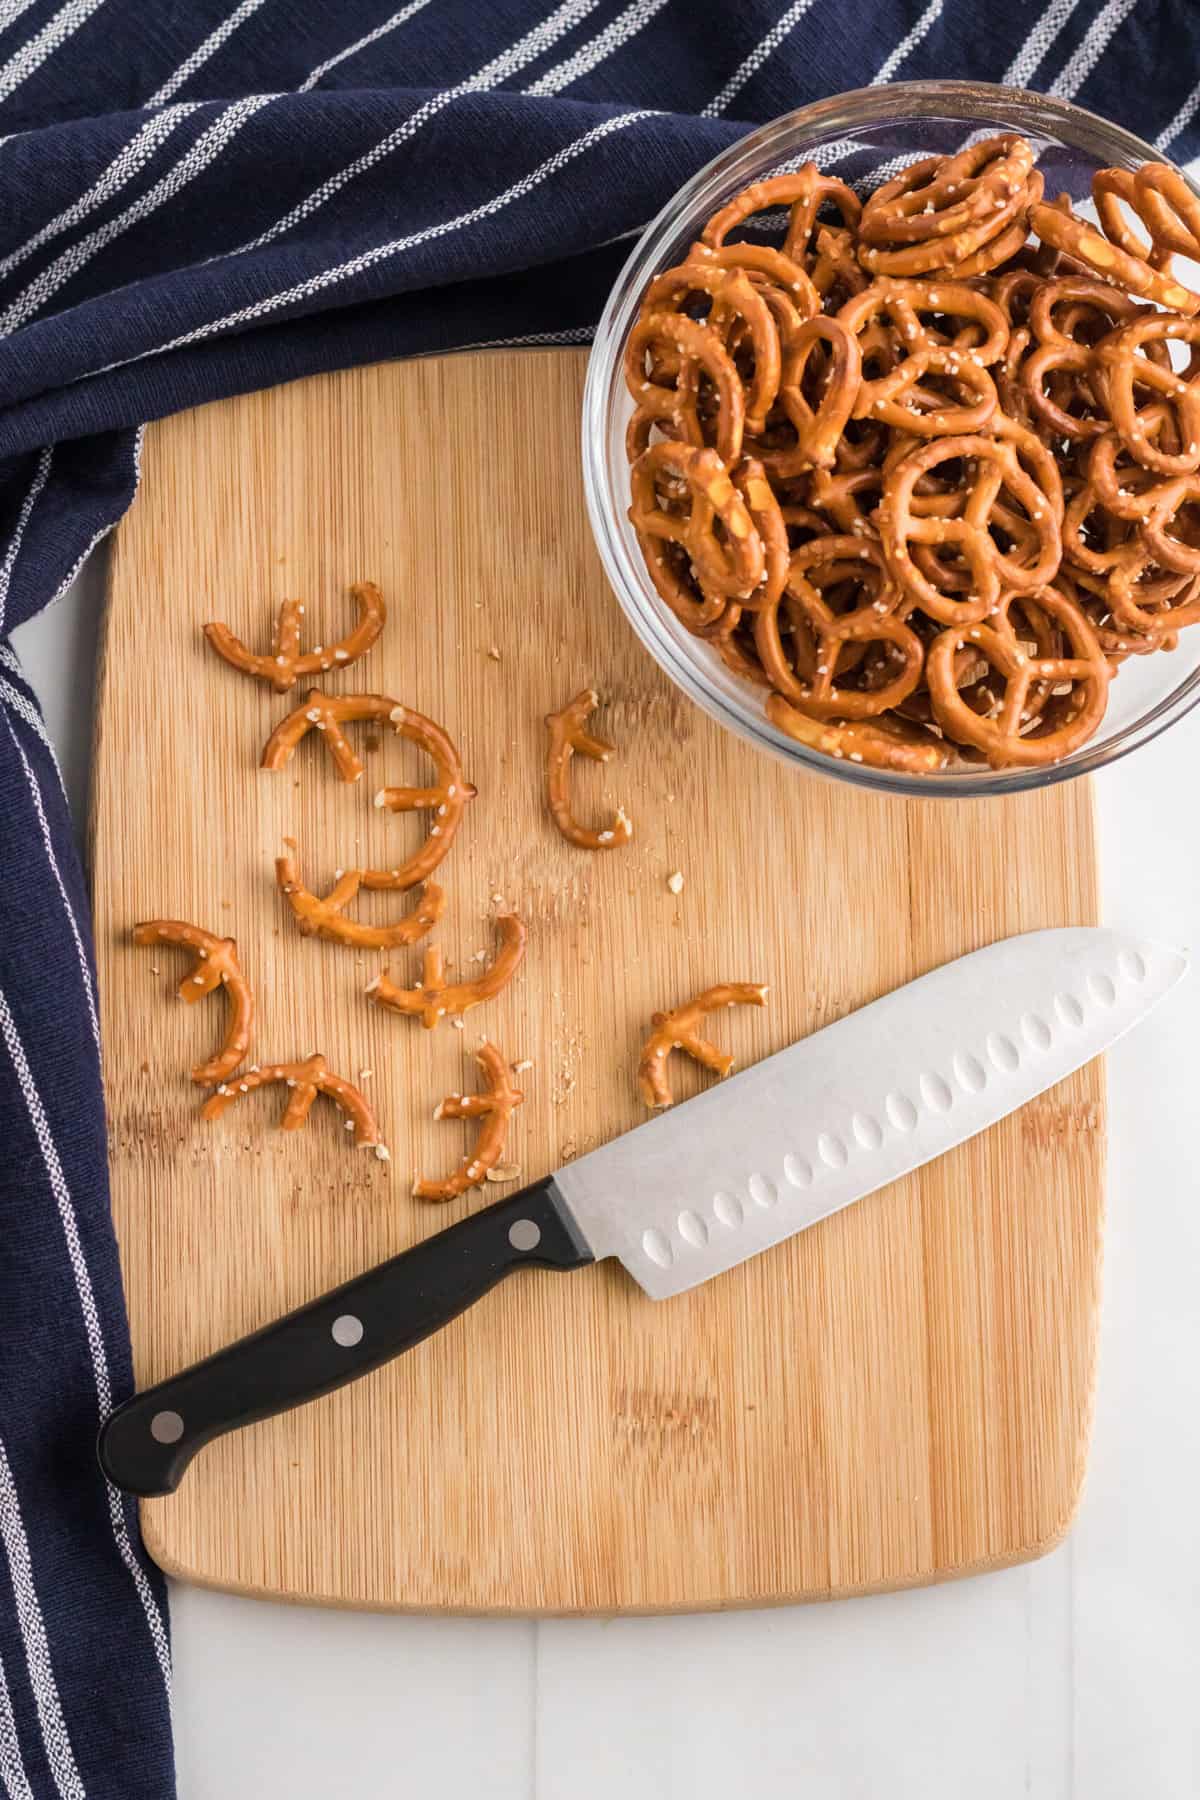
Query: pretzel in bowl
(434, 998)
(216, 966)
(304, 1081)
(494, 1107)
(284, 666)
(679, 1030)
(978, 423)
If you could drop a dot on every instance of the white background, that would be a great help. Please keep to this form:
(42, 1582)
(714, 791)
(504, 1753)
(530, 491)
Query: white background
(1076, 1678)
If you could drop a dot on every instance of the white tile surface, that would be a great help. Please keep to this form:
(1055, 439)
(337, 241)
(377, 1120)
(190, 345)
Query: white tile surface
(1072, 1679)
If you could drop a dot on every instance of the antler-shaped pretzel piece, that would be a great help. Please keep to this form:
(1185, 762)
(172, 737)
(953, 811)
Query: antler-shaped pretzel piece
(567, 734)
(327, 715)
(216, 966)
(435, 998)
(285, 665)
(305, 1080)
(446, 799)
(324, 917)
(677, 1030)
(495, 1106)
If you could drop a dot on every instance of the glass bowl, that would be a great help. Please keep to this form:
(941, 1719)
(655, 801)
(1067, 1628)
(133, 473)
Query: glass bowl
(864, 137)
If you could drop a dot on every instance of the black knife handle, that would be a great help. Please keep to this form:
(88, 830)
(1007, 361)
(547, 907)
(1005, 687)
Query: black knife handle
(146, 1445)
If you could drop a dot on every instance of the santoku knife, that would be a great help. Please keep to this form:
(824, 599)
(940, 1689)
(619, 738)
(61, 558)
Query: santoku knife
(696, 1190)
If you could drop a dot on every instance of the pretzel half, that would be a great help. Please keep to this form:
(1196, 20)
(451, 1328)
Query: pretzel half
(305, 1080)
(566, 731)
(446, 799)
(216, 965)
(323, 916)
(677, 1030)
(435, 998)
(285, 664)
(495, 1106)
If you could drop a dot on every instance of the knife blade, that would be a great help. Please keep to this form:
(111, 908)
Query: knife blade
(699, 1189)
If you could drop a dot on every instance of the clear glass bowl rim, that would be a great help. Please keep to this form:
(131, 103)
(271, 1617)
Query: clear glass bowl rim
(989, 103)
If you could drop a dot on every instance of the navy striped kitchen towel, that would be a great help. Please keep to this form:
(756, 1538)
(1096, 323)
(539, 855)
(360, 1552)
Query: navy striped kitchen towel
(199, 197)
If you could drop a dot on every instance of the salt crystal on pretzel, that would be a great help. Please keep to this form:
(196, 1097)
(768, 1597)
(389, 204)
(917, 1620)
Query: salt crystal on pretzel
(216, 966)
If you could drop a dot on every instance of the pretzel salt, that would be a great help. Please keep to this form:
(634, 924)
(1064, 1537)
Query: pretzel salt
(285, 664)
(216, 966)
(304, 1081)
(677, 1030)
(494, 1107)
(324, 916)
(567, 733)
(435, 998)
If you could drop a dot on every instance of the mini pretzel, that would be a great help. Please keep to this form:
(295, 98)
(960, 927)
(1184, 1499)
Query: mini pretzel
(305, 1080)
(566, 735)
(317, 917)
(435, 998)
(1124, 371)
(285, 665)
(900, 746)
(730, 568)
(677, 1031)
(733, 296)
(701, 349)
(1063, 726)
(1072, 235)
(996, 467)
(495, 1106)
(216, 966)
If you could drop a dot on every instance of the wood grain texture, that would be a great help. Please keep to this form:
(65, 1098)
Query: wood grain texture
(900, 1394)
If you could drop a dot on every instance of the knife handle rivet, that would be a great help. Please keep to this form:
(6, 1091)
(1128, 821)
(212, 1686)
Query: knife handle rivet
(524, 1234)
(166, 1428)
(346, 1331)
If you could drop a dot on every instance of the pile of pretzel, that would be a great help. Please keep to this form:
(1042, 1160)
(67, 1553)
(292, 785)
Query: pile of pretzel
(925, 468)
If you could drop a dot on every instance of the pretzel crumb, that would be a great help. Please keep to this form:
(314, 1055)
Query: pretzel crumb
(504, 1172)
(675, 881)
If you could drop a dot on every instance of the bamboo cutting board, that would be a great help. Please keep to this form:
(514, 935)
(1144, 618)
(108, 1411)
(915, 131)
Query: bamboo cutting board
(900, 1394)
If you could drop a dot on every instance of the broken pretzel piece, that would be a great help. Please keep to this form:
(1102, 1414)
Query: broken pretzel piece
(324, 917)
(445, 801)
(216, 966)
(434, 997)
(285, 665)
(566, 736)
(677, 1030)
(326, 714)
(494, 1107)
(305, 1080)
